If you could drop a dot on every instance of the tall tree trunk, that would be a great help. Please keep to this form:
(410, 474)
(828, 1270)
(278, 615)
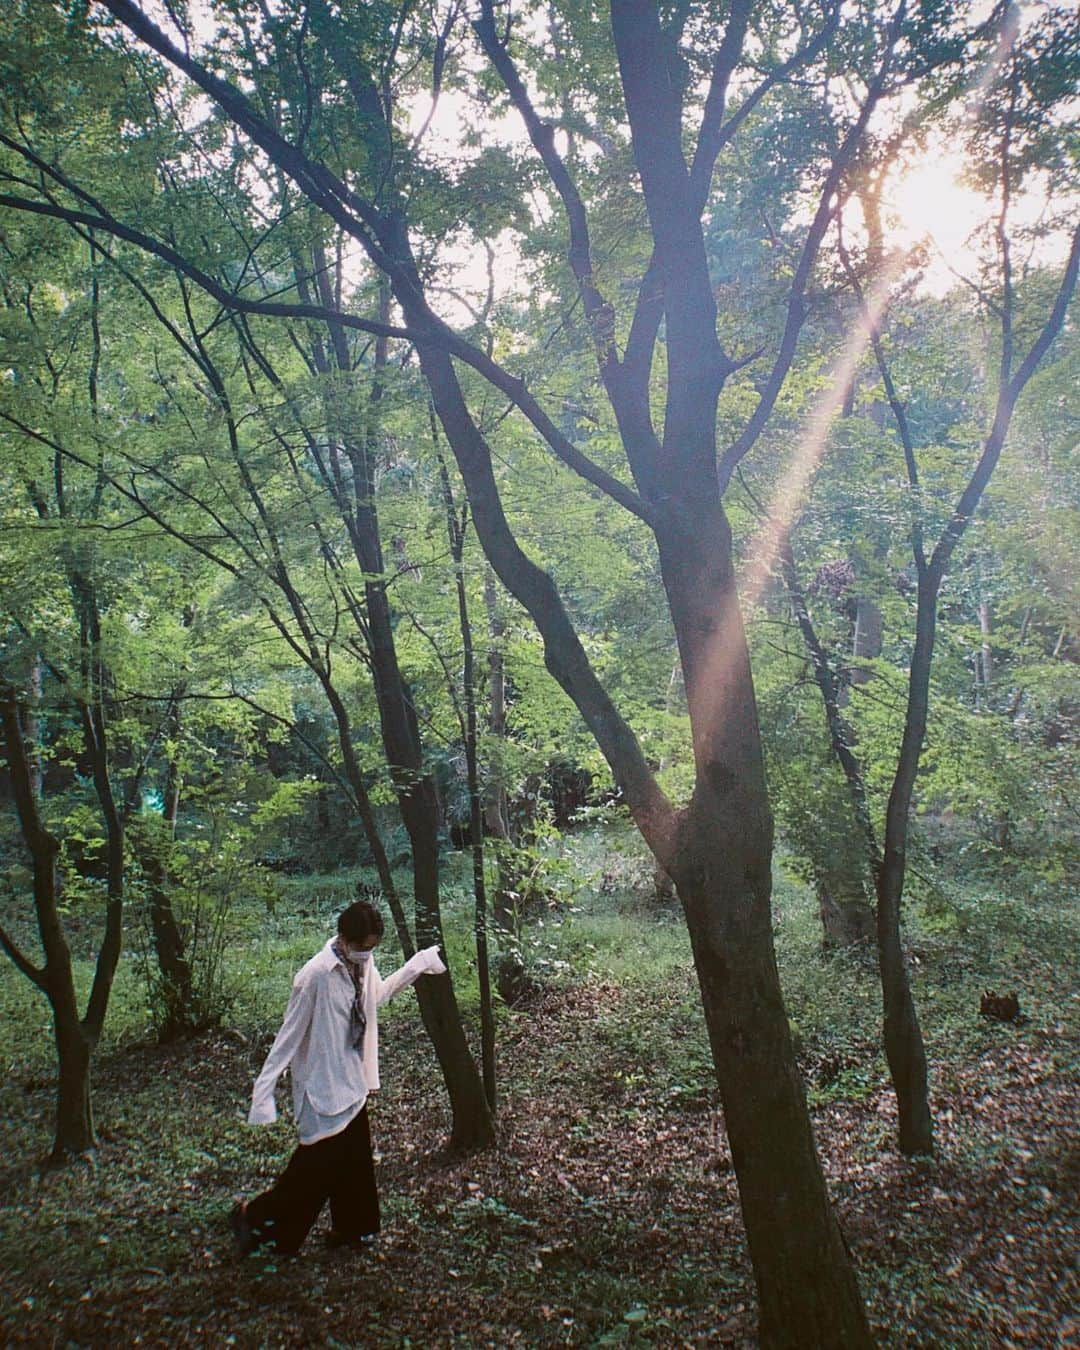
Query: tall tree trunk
(495, 805)
(721, 863)
(476, 823)
(108, 957)
(74, 1132)
(904, 1048)
(473, 1126)
(806, 1285)
(456, 530)
(505, 914)
(174, 967)
(720, 858)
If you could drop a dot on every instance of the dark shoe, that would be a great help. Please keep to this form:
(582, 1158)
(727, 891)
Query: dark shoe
(336, 1240)
(241, 1228)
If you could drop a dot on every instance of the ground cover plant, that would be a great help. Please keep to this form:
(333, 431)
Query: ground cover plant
(597, 1217)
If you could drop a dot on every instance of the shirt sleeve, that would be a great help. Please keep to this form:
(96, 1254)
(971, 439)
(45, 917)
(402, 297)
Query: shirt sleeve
(427, 962)
(286, 1043)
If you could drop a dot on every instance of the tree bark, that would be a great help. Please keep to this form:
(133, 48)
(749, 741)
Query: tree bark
(177, 980)
(505, 912)
(74, 1132)
(74, 1111)
(456, 530)
(720, 858)
(866, 644)
(722, 867)
(473, 1126)
(904, 1047)
(806, 1286)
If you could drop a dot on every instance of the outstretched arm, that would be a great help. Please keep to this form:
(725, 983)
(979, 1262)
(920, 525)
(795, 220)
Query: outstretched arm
(427, 962)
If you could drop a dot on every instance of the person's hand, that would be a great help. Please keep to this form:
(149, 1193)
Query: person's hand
(263, 1113)
(434, 964)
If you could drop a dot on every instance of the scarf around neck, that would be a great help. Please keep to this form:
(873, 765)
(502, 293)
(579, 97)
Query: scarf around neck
(357, 1020)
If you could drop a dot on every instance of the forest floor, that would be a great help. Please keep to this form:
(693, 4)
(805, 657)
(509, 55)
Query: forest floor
(607, 1214)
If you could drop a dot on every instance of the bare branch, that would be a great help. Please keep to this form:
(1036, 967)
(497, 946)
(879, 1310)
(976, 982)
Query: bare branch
(796, 310)
(542, 135)
(872, 325)
(35, 974)
(1006, 404)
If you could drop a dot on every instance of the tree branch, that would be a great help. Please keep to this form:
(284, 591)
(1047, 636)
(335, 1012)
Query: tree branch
(871, 324)
(35, 974)
(796, 311)
(212, 287)
(363, 222)
(542, 135)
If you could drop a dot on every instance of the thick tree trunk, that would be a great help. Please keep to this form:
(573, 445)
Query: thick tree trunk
(74, 1114)
(722, 867)
(806, 1285)
(721, 862)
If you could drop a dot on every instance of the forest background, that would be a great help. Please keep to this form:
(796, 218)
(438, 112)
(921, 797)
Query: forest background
(523, 462)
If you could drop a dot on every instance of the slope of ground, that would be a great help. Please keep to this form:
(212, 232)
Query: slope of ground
(608, 1212)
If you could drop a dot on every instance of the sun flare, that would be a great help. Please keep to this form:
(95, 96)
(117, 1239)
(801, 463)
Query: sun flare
(928, 204)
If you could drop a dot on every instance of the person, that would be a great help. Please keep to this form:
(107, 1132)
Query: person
(330, 1042)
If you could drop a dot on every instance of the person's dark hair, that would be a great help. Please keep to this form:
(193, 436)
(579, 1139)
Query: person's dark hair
(360, 921)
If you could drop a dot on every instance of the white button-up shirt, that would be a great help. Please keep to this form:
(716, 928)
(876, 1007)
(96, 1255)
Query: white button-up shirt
(330, 1078)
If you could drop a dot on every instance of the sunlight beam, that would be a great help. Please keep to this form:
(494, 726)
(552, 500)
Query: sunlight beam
(718, 671)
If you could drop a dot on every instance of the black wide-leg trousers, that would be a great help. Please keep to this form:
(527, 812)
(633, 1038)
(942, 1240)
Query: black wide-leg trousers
(339, 1169)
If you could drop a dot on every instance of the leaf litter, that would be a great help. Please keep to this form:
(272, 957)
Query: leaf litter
(607, 1214)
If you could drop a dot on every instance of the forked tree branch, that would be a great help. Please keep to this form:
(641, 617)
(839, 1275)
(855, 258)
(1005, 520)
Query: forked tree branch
(796, 309)
(365, 223)
(1008, 395)
(35, 974)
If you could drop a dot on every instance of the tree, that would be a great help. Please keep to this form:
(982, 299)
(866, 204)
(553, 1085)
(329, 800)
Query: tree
(344, 147)
(1017, 111)
(57, 601)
